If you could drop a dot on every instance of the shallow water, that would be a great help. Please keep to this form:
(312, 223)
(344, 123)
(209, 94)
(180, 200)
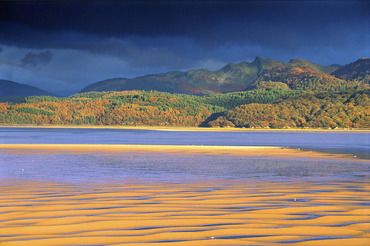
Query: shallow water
(156, 167)
(356, 143)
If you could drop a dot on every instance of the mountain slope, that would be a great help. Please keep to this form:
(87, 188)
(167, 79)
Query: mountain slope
(13, 89)
(332, 68)
(355, 71)
(311, 65)
(230, 78)
(302, 77)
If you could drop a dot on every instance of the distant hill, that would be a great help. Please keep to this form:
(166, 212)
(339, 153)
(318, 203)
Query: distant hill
(356, 71)
(231, 78)
(13, 89)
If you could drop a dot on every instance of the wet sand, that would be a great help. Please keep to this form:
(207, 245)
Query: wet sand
(258, 151)
(206, 213)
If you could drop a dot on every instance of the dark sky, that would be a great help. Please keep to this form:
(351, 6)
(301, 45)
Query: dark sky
(62, 46)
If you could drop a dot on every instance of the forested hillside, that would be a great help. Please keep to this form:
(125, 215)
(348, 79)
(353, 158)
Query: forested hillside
(233, 99)
(304, 78)
(358, 71)
(349, 109)
(115, 108)
(262, 108)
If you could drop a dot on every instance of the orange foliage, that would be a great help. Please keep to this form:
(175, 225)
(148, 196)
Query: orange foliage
(4, 107)
(121, 93)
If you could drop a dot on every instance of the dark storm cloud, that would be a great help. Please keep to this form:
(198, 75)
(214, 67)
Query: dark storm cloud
(95, 40)
(148, 18)
(211, 23)
(32, 59)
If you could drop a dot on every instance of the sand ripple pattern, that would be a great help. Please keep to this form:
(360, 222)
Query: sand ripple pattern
(206, 213)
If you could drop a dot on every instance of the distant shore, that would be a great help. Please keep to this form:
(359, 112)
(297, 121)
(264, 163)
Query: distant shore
(180, 128)
(257, 151)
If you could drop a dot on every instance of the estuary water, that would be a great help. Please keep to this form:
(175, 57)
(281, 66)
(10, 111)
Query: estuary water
(357, 143)
(166, 167)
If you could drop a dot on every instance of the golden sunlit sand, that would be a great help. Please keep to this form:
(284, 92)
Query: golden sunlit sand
(204, 213)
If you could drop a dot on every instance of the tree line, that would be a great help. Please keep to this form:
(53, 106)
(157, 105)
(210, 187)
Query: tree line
(260, 108)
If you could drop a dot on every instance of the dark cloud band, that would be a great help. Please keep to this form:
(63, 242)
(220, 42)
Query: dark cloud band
(32, 59)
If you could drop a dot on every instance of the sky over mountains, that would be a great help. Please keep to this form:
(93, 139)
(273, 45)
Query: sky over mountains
(62, 46)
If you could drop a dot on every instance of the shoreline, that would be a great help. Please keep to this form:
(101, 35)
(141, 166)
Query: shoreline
(183, 128)
(254, 151)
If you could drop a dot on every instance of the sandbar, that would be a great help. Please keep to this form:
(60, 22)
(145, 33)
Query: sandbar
(256, 151)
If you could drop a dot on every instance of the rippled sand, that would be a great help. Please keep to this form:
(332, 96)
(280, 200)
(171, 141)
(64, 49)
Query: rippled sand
(206, 213)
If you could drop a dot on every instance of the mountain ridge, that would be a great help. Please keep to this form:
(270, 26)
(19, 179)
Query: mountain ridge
(296, 74)
(13, 89)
